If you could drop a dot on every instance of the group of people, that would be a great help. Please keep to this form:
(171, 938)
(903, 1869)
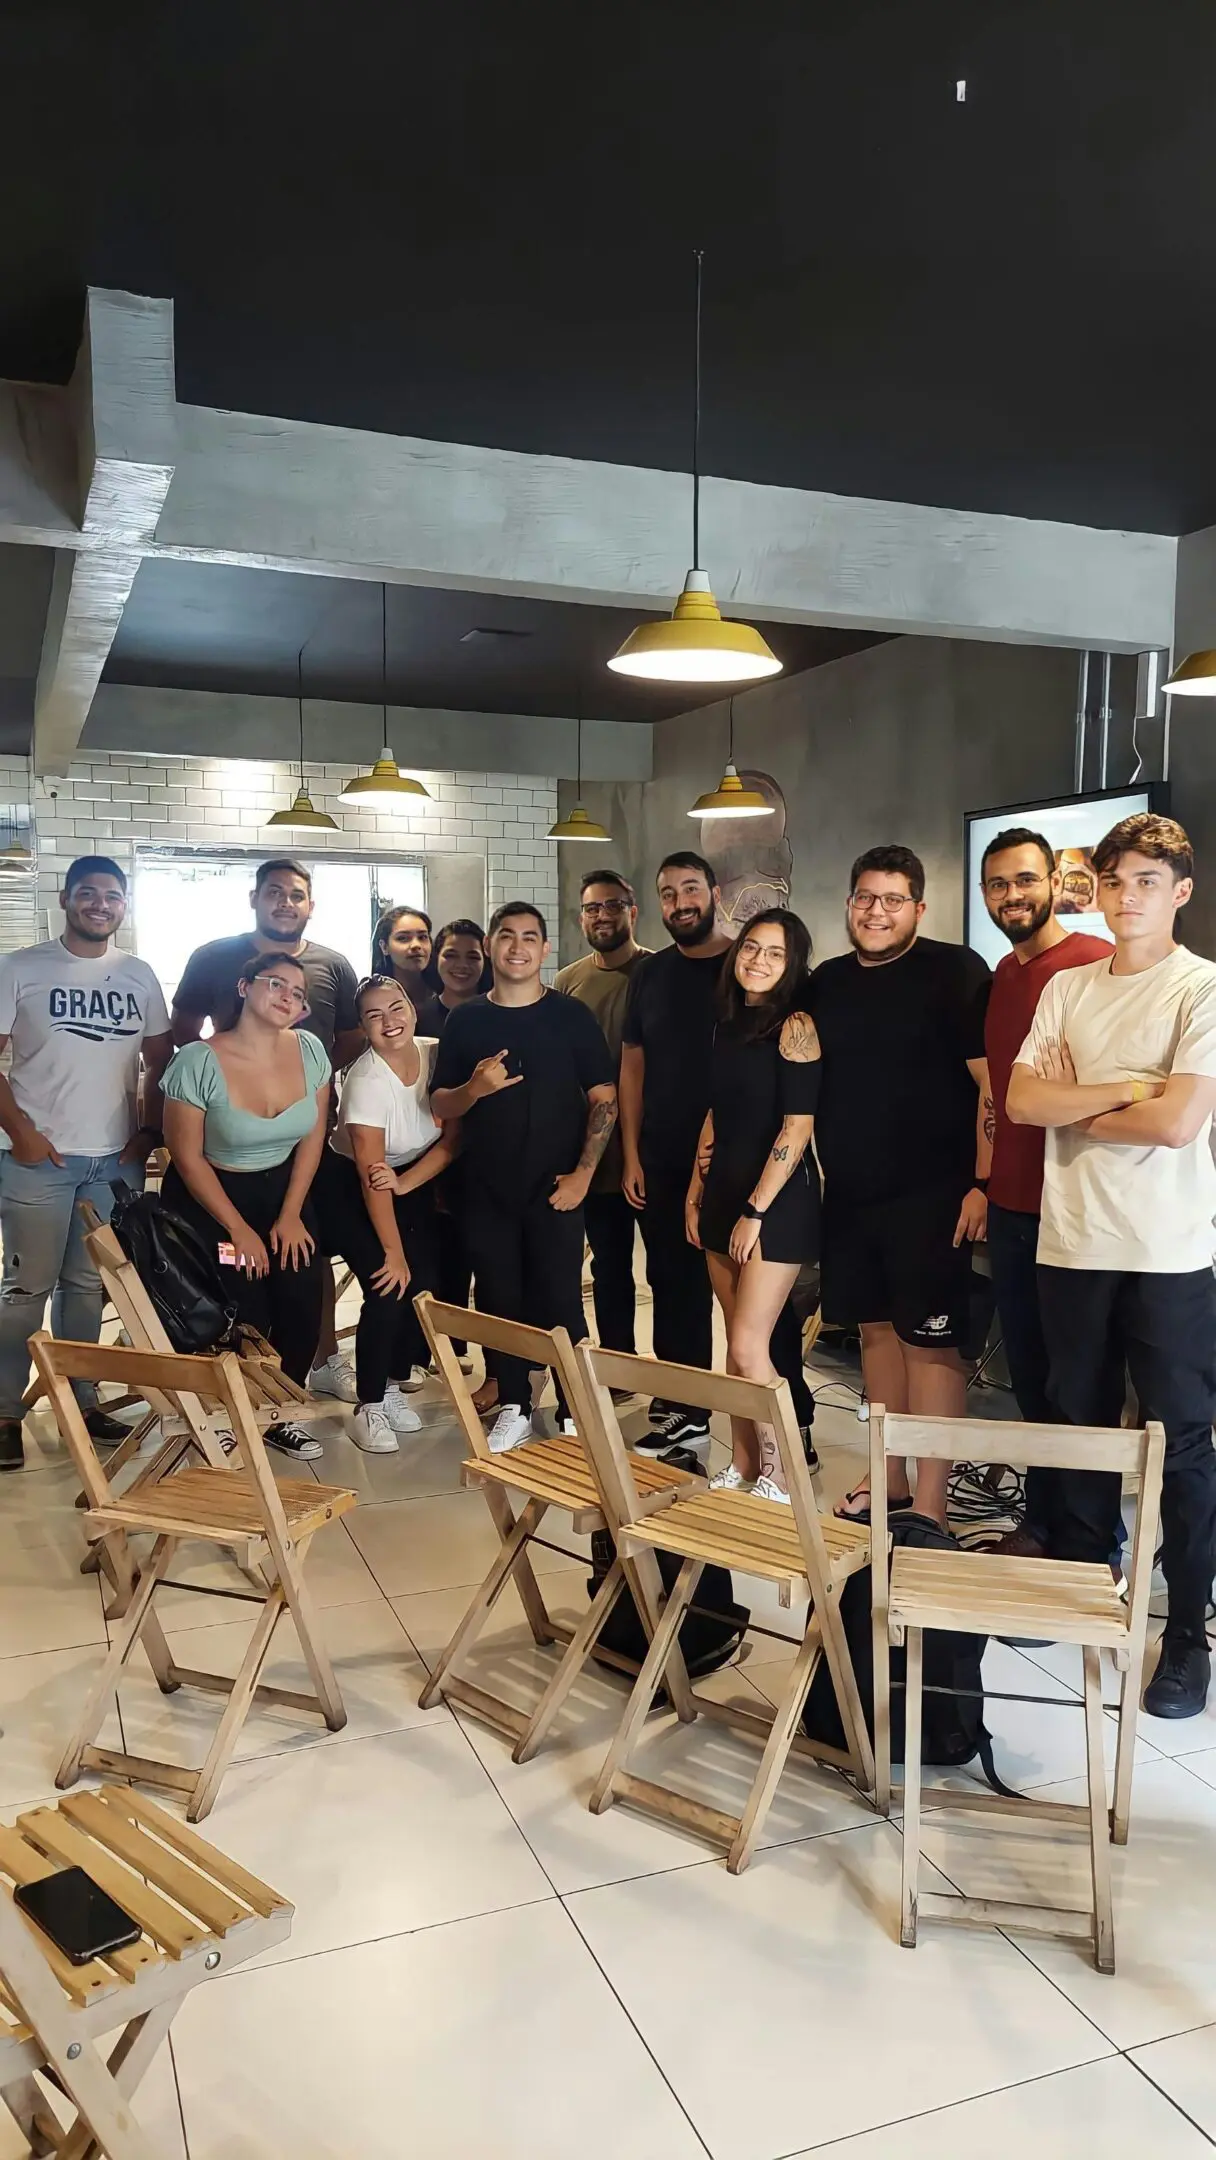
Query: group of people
(877, 1116)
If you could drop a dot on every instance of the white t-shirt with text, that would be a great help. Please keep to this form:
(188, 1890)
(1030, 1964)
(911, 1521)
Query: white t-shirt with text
(373, 1095)
(75, 1028)
(1138, 1210)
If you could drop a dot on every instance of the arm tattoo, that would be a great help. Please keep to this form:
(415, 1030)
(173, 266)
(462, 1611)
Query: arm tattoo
(781, 1153)
(989, 1119)
(799, 1042)
(599, 1125)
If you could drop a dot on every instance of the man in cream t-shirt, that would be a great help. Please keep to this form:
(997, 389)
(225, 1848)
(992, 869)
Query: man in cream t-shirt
(76, 1016)
(1120, 1068)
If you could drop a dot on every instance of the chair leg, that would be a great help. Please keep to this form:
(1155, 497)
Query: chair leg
(1125, 1752)
(530, 1593)
(776, 1749)
(236, 1709)
(848, 1698)
(646, 1589)
(311, 1637)
(1099, 1827)
(509, 1558)
(911, 1853)
(129, 2059)
(105, 1686)
(575, 1656)
(646, 1686)
(882, 1716)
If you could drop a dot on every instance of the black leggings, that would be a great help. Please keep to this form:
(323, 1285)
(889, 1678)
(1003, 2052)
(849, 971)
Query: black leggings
(284, 1305)
(389, 1340)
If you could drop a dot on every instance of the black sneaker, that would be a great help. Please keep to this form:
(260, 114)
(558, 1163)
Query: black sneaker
(109, 1430)
(1179, 1687)
(676, 1428)
(292, 1439)
(12, 1450)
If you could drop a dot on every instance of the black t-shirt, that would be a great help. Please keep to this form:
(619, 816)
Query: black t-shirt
(670, 1016)
(518, 1141)
(208, 987)
(897, 1105)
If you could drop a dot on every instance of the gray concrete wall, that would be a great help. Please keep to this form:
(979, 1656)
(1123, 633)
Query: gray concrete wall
(1193, 733)
(891, 744)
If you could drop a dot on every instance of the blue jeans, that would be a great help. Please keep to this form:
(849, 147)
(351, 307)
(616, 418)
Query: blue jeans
(45, 1257)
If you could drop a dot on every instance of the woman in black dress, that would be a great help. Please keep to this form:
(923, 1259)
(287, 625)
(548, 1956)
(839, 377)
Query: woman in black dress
(753, 1203)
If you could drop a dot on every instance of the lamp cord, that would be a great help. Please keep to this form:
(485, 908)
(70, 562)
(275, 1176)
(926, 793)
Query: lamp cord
(696, 425)
(730, 734)
(384, 654)
(300, 703)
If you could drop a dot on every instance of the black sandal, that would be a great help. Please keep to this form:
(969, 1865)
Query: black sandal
(862, 1514)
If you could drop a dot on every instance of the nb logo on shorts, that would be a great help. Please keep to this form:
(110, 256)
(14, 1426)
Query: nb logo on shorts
(936, 1324)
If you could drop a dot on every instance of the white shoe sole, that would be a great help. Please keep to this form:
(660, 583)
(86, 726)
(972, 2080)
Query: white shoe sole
(375, 1447)
(654, 1447)
(330, 1391)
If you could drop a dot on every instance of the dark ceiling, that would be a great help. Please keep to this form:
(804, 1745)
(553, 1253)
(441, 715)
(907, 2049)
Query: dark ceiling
(202, 626)
(474, 222)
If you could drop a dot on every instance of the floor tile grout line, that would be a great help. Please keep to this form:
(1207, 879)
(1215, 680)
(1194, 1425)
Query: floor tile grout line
(177, 2093)
(1167, 2096)
(635, 2028)
(950, 2107)
(369, 1942)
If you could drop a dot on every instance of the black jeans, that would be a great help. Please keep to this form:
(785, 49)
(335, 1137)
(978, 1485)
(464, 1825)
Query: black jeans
(610, 1224)
(1164, 1328)
(284, 1305)
(683, 1318)
(785, 1349)
(528, 1262)
(1013, 1239)
(388, 1340)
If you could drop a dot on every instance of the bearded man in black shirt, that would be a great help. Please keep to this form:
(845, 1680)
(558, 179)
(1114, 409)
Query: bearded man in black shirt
(903, 1135)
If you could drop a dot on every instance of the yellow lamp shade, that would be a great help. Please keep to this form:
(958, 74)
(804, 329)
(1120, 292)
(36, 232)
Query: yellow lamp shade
(1193, 677)
(731, 799)
(303, 817)
(384, 783)
(578, 826)
(695, 645)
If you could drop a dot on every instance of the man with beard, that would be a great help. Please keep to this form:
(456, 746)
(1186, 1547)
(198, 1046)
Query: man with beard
(608, 915)
(903, 1148)
(78, 1016)
(670, 1017)
(282, 904)
(1021, 884)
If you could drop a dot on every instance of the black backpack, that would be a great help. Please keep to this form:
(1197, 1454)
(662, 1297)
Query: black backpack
(710, 1633)
(178, 1270)
(953, 1731)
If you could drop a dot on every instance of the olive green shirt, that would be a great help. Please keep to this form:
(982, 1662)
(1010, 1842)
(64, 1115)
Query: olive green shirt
(603, 990)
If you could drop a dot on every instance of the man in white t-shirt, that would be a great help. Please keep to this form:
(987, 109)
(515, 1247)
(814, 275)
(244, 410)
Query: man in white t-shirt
(1120, 1068)
(76, 1016)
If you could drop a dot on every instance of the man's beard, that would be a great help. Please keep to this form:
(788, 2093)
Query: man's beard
(280, 937)
(1017, 933)
(693, 933)
(619, 935)
(889, 952)
(86, 931)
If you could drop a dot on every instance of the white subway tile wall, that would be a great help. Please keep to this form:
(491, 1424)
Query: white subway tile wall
(112, 805)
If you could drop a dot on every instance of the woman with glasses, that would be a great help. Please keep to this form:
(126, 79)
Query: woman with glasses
(753, 1202)
(245, 1117)
(390, 1150)
(402, 950)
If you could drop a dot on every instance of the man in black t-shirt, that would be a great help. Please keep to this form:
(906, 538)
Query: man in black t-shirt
(282, 906)
(903, 1148)
(529, 1074)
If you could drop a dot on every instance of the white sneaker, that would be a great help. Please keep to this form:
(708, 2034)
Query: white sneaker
(334, 1378)
(511, 1427)
(419, 1375)
(766, 1488)
(569, 1427)
(730, 1480)
(371, 1430)
(398, 1412)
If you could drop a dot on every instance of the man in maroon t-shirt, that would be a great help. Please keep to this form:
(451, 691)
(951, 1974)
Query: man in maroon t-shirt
(1021, 886)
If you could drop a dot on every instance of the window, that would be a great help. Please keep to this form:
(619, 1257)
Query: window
(183, 899)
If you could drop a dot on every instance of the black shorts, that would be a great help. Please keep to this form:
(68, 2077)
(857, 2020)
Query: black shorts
(895, 1260)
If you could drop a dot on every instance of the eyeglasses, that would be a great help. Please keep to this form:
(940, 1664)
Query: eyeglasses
(605, 907)
(1025, 882)
(279, 984)
(863, 903)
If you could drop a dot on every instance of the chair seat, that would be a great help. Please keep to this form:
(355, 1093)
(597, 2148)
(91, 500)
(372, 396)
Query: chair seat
(222, 1505)
(557, 1471)
(987, 1594)
(757, 1537)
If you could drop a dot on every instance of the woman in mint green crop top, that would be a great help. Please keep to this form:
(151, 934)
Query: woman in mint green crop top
(245, 1121)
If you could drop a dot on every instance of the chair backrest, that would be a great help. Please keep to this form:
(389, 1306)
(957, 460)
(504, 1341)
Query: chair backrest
(127, 1292)
(764, 1404)
(207, 1379)
(1135, 1454)
(441, 1324)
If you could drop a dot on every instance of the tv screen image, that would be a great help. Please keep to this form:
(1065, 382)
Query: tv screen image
(1073, 826)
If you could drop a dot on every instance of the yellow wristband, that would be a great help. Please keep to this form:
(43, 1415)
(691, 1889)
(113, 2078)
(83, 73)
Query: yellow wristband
(1139, 1090)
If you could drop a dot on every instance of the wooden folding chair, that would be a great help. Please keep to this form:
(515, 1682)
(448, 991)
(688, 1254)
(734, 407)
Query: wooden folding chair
(267, 1525)
(538, 1476)
(978, 1593)
(807, 1555)
(200, 1915)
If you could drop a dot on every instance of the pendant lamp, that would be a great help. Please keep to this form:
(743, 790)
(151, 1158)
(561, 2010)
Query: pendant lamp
(1193, 677)
(302, 816)
(694, 644)
(385, 782)
(578, 826)
(730, 798)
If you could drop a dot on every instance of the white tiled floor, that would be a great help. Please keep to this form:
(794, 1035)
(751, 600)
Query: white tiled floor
(479, 1966)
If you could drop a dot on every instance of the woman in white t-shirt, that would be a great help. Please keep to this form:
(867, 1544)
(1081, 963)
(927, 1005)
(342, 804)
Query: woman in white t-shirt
(394, 1149)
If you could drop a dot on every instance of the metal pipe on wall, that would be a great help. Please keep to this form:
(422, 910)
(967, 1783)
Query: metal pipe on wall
(1105, 738)
(1078, 775)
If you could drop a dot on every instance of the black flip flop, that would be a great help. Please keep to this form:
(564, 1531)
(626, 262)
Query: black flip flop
(862, 1492)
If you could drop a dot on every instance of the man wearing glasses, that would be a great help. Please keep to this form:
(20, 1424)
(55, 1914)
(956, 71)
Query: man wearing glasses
(1021, 887)
(608, 916)
(904, 1150)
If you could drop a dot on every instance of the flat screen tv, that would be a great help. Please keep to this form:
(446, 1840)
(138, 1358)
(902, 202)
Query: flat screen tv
(1073, 824)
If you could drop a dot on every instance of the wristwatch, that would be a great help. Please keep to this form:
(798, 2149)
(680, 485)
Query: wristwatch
(753, 1213)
